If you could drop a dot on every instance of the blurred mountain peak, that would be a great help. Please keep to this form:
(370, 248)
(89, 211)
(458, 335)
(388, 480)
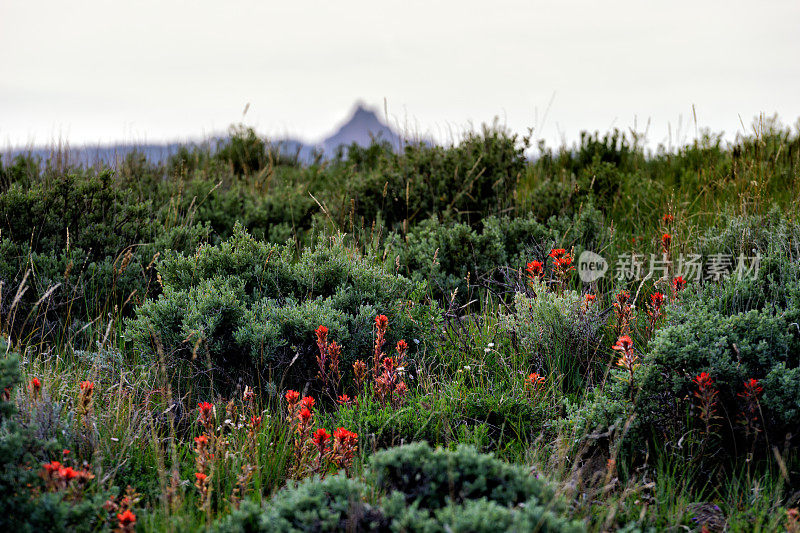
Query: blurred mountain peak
(361, 128)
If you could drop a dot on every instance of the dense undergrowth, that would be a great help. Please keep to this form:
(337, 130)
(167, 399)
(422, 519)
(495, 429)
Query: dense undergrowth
(406, 341)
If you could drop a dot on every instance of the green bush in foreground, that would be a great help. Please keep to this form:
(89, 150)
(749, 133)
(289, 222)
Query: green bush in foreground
(333, 504)
(432, 477)
(426, 490)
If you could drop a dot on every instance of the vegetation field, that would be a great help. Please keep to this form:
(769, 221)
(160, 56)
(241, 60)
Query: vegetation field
(436, 339)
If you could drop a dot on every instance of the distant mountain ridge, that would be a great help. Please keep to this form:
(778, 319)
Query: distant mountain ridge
(361, 128)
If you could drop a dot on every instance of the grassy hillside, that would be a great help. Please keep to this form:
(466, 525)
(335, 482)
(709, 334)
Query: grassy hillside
(240, 342)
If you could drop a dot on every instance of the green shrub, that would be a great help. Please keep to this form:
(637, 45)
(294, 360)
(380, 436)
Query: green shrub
(732, 349)
(83, 248)
(463, 182)
(247, 304)
(312, 505)
(432, 477)
(487, 516)
(447, 255)
(734, 330)
(477, 516)
(21, 171)
(243, 150)
(427, 491)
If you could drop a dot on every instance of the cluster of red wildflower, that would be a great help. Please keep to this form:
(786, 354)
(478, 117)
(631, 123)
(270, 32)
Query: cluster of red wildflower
(706, 395)
(127, 521)
(58, 476)
(123, 509)
(534, 383)
(535, 270)
(36, 388)
(387, 372)
(312, 453)
(381, 325)
(654, 311)
(793, 520)
(204, 451)
(588, 300)
(345, 446)
(345, 400)
(562, 265)
(207, 415)
(85, 397)
(624, 311)
(360, 374)
(328, 359)
(749, 415)
(676, 283)
(627, 359)
(203, 483)
(389, 385)
(666, 240)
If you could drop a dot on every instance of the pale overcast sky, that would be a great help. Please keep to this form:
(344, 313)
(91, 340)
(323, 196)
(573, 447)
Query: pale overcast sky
(103, 71)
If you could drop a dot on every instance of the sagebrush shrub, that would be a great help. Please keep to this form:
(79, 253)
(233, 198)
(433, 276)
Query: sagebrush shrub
(312, 505)
(249, 304)
(416, 488)
(447, 255)
(84, 247)
(731, 349)
(736, 339)
(433, 477)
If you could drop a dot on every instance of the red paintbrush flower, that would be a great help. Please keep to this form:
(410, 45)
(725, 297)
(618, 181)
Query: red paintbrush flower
(656, 300)
(322, 334)
(703, 380)
(624, 344)
(292, 396)
(126, 519)
(666, 240)
(535, 269)
(206, 413)
(308, 402)
(320, 438)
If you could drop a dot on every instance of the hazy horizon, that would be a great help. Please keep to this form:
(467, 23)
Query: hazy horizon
(99, 73)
